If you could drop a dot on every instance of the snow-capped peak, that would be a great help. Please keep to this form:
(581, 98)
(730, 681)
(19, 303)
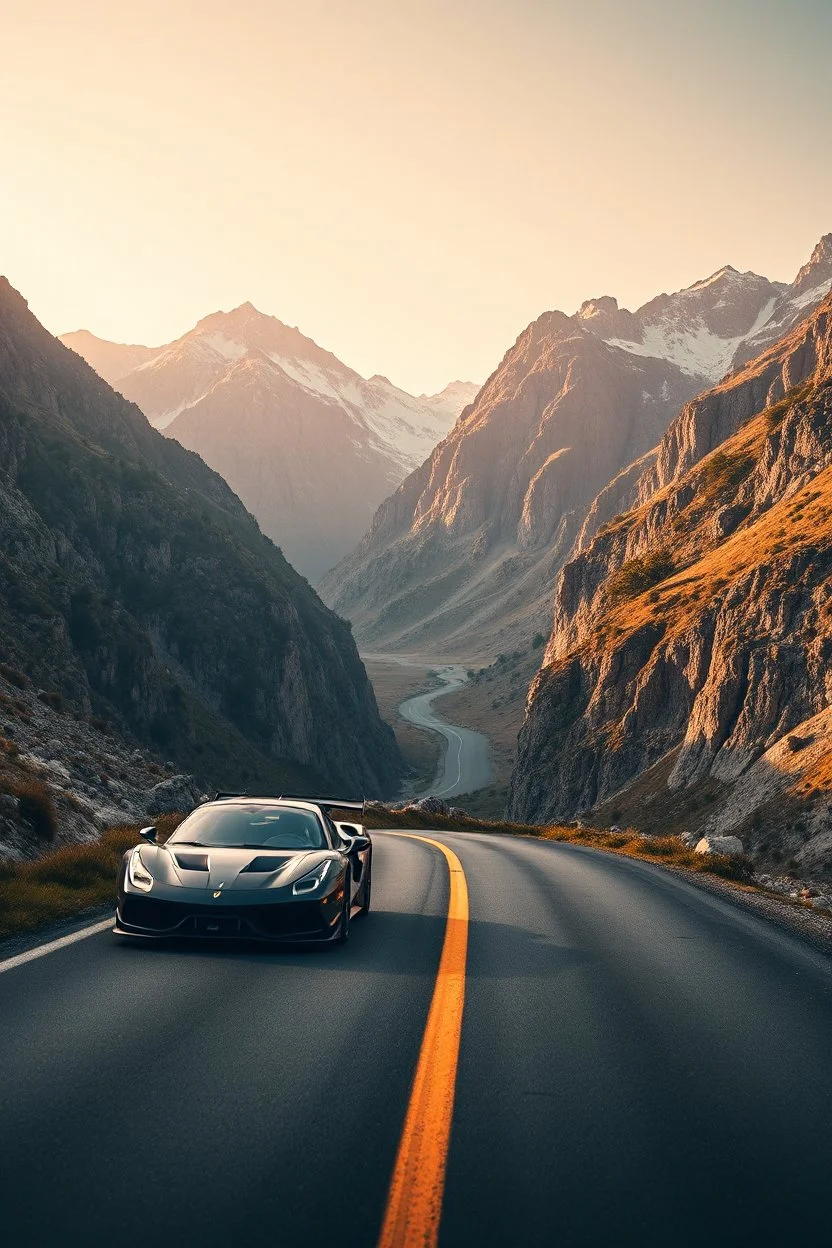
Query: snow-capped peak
(169, 380)
(699, 328)
(727, 271)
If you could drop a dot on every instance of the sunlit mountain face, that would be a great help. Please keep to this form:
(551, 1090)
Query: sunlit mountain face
(467, 553)
(685, 684)
(310, 445)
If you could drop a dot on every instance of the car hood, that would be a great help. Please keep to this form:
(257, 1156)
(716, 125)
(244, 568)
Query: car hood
(229, 869)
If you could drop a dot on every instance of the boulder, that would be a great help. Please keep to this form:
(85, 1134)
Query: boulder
(431, 806)
(8, 852)
(9, 806)
(720, 845)
(177, 795)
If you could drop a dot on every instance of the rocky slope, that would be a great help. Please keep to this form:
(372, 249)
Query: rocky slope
(310, 446)
(686, 684)
(465, 555)
(137, 592)
(65, 776)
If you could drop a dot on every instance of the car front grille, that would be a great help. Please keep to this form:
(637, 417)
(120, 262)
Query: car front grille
(300, 918)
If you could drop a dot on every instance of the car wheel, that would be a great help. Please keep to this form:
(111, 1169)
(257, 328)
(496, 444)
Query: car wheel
(366, 890)
(344, 930)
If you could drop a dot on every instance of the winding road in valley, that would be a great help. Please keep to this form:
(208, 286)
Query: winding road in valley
(524, 1044)
(466, 763)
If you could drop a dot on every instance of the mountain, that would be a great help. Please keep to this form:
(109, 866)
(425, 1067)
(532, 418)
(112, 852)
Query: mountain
(465, 554)
(451, 401)
(811, 285)
(700, 329)
(111, 360)
(466, 550)
(310, 446)
(685, 684)
(137, 590)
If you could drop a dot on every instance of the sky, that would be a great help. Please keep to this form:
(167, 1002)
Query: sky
(411, 182)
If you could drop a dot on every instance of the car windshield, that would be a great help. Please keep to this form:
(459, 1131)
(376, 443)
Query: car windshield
(251, 825)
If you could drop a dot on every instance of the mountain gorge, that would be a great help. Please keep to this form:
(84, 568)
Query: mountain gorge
(309, 445)
(465, 554)
(686, 683)
(139, 595)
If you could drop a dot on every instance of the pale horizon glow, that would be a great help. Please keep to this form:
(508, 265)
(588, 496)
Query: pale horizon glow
(410, 182)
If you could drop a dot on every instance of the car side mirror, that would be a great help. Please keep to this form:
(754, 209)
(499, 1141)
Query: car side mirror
(360, 843)
(149, 834)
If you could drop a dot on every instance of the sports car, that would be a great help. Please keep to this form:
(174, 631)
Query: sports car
(250, 868)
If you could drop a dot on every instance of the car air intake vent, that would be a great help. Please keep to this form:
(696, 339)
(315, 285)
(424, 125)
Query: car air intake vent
(193, 862)
(263, 864)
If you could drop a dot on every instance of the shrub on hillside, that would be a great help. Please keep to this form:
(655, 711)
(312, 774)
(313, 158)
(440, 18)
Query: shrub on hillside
(721, 470)
(54, 699)
(640, 574)
(37, 807)
(13, 676)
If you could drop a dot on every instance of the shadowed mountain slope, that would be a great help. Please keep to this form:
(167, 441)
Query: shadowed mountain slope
(136, 586)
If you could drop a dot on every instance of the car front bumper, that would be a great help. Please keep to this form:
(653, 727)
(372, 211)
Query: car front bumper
(194, 915)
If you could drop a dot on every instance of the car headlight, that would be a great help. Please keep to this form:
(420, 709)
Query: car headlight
(313, 880)
(137, 872)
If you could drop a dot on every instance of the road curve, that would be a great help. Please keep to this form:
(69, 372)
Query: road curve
(466, 763)
(640, 1063)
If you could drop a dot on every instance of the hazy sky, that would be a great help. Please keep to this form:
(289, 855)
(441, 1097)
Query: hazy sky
(409, 182)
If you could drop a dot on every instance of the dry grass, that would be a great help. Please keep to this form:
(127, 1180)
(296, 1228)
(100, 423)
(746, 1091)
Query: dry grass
(669, 850)
(416, 819)
(801, 521)
(37, 806)
(68, 881)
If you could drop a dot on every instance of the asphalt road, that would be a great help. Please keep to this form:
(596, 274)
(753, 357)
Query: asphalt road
(466, 763)
(640, 1063)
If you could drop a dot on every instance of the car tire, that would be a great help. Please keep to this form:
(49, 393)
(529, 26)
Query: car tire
(366, 891)
(344, 928)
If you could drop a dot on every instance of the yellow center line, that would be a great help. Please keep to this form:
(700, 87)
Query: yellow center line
(414, 1202)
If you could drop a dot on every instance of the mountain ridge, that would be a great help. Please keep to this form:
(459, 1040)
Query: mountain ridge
(470, 545)
(315, 505)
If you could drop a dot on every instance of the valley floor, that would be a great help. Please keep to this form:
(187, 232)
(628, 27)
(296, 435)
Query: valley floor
(395, 679)
(447, 753)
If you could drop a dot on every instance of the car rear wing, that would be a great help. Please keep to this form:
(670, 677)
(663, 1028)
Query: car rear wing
(325, 803)
(329, 803)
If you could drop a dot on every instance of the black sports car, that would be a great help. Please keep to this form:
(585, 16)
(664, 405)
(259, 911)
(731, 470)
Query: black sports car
(264, 868)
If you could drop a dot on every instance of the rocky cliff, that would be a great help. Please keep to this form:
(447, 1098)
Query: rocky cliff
(686, 678)
(138, 592)
(465, 553)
